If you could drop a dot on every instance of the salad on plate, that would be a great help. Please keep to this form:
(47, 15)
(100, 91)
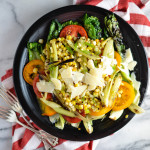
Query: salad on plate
(83, 72)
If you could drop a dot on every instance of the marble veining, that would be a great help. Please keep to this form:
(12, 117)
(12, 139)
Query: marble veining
(15, 18)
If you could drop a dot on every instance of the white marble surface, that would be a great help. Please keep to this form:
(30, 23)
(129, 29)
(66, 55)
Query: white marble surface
(16, 16)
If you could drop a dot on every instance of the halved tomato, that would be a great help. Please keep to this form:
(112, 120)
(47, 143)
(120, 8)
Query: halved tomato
(28, 73)
(47, 111)
(73, 119)
(74, 31)
(125, 96)
(102, 111)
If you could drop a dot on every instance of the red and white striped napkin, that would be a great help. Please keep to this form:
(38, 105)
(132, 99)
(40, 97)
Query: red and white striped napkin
(129, 10)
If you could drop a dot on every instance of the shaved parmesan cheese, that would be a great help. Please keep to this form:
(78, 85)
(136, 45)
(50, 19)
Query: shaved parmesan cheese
(128, 56)
(97, 72)
(70, 88)
(77, 76)
(131, 65)
(76, 91)
(66, 73)
(44, 86)
(68, 81)
(91, 87)
(90, 64)
(92, 80)
(56, 83)
(107, 64)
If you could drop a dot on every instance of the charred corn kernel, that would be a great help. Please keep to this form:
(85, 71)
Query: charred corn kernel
(62, 46)
(97, 90)
(97, 40)
(41, 41)
(80, 106)
(95, 94)
(67, 103)
(43, 58)
(79, 60)
(73, 102)
(35, 70)
(107, 78)
(70, 63)
(59, 39)
(74, 69)
(68, 100)
(69, 37)
(76, 85)
(89, 106)
(63, 66)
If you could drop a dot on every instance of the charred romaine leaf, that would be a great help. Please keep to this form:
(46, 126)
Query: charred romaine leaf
(113, 29)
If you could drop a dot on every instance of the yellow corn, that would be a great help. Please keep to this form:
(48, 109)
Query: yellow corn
(35, 70)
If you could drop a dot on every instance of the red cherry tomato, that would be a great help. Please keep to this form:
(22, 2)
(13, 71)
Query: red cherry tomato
(74, 31)
(73, 119)
(36, 91)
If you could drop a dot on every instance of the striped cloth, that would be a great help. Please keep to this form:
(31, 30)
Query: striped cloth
(129, 10)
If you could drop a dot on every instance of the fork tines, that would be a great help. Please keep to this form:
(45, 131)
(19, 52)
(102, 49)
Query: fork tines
(8, 97)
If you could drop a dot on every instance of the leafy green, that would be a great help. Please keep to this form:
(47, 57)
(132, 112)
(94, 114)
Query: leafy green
(34, 49)
(54, 30)
(70, 22)
(92, 26)
(113, 29)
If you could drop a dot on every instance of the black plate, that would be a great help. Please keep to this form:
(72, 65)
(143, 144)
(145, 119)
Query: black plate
(25, 92)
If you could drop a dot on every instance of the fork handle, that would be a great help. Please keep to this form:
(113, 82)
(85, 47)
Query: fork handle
(31, 129)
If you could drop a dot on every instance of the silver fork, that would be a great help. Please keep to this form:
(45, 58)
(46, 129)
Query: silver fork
(13, 102)
(10, 116)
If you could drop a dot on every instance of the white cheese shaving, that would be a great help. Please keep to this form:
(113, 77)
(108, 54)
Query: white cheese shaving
(68, 81)
(128, 56)
(57, 83)
(92, 80)
(76, 91)
(66, 73)
(107, 64)
(77, 76)
(131, 65)
(44, 86)
(91, 87)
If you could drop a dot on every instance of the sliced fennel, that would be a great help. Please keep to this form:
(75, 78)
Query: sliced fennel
(136, 109)
(90, 117)
(84, 53)
(60, 123)
(54, 69)
(114, 115)
(58, 108)
(58, 120)
(75, 125)
(114, 89)
(88, 125)
(109, 49)
(105, 98)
